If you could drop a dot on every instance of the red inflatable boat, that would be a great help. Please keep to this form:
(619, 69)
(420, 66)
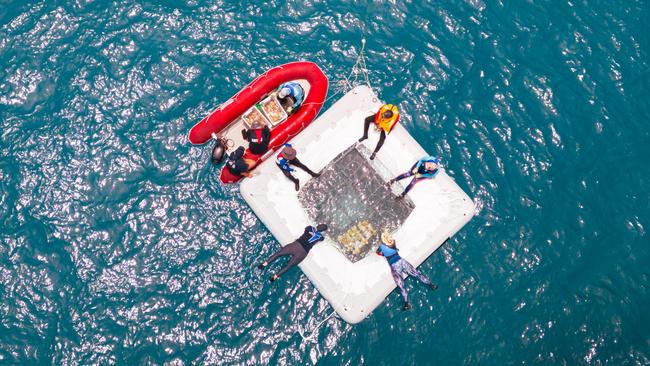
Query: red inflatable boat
(230, 117)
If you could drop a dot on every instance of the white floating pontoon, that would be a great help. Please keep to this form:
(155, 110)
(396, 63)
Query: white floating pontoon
(351, 197)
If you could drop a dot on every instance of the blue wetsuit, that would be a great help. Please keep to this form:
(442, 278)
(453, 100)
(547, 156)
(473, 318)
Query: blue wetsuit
(421, 170)
(295, 91)
(285, 166)
(399, 266)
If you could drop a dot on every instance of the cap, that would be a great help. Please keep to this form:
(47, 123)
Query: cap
(284, 92)
(288, 153)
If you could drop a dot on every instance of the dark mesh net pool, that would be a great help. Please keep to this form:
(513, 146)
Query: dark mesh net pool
(354, 201)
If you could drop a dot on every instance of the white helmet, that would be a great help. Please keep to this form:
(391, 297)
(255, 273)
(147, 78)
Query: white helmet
(284, 92)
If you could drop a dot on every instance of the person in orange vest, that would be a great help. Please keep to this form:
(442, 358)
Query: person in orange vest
(385, 119)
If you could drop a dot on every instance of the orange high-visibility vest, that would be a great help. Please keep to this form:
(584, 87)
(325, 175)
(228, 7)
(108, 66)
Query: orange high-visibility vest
(386, 124)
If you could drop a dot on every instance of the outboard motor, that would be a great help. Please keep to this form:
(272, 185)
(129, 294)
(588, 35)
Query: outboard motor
(219, 149)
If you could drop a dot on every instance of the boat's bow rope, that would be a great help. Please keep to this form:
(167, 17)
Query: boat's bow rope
(358, 68)
(312, 332)
(352, 79)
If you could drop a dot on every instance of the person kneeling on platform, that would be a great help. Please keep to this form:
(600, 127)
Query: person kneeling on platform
(385, 119)
(291, 96)
(298, 250)
(425, 168)
(237, 164)
(286, 158)
(399, 265)
(258, 138)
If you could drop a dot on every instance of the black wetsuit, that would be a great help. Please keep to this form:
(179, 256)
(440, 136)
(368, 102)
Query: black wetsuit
(236, 164)
(298, 250)
(258, 139)
(382, 135)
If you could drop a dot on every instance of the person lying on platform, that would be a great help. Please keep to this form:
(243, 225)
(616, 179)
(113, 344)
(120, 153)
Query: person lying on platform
(286, 158)
(385, 119)
(297, 250)
(291, 96)
(237, 164)
(425, 168)
(258, 138)
(399, 266)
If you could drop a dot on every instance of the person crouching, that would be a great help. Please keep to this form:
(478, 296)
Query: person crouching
(286, 158)
(258, 138)
(238, 165)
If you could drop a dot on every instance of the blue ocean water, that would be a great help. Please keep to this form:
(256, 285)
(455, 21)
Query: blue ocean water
(119, 246)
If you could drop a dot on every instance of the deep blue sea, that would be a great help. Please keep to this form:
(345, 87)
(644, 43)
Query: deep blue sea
(118, 245)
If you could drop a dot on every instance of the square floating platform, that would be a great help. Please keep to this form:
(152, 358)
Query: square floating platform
(351, 197)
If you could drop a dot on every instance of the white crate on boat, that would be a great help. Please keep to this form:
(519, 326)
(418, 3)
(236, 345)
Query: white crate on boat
(273, 110)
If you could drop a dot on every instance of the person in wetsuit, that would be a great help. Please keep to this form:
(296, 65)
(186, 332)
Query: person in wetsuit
(291, 95)
(399, 266)
(286, 158)
(258, 138)
(237, 164)
(297, 250)
(425, 168)
(385, 119)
